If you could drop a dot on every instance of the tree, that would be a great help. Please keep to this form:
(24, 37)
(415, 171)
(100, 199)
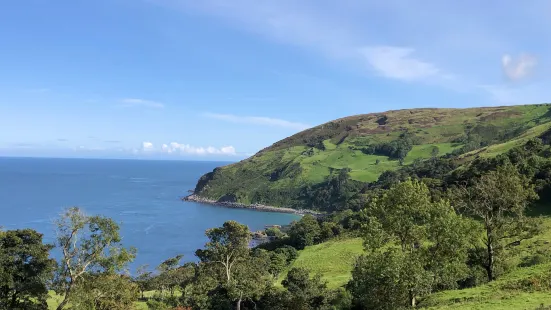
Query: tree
(305, 292)
(104, 291)
(88, 243)
(305, 232)
(378, 161)
(434, 151)
(169, 277)
(290, 252)
(228, 261)
(328, 230)
(25, 269)
(274, 232)
(387, 280)
(432, 242)
(499, 199)
(143, 279)
(227, 246)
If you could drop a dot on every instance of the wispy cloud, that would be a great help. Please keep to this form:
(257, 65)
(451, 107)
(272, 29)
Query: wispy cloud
(314, 25)
(516, 69)
(399, 63)
(398, 40)
(24, 145)
(258, 120)
(134, 102)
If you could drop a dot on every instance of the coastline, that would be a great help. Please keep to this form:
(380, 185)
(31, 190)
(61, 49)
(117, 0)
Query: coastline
(255, 207)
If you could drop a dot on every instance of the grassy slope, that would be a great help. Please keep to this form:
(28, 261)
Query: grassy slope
(497, 295)
(334, 260)
(299, 164)
(496, 149)
(54, 300)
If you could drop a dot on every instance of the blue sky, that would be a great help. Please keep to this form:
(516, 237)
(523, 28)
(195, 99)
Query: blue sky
(220, 80)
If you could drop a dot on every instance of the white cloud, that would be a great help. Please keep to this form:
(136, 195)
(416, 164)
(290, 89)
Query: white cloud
(519, 68)
(147, 146)
(398, 63)
(258, 120)
(176, 148)
(134, 102)
(186, 149)
(228, 150)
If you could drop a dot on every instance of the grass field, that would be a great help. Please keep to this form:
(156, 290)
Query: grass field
(54, 300)
(334, 260)
(499, 294)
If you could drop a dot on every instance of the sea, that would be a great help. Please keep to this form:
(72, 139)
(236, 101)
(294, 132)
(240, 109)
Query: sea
(142, 196)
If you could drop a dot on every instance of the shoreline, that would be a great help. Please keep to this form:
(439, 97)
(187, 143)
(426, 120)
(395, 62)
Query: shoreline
(255, 207)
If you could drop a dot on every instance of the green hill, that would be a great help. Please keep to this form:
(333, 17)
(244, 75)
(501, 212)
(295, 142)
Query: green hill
(366, 146)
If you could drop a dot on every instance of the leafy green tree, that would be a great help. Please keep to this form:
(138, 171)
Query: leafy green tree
(432, 241)
(388, 280)
(274, 232)
(290, 253)
(104, 291)
(305, 292)
(169, 277)
(434, 151)
(328, 230)
(25, 269)
(88, 243)
(153, 304)
(228, 245)
(143, 279)
(305, 232)
(499, 199)
(228, 262)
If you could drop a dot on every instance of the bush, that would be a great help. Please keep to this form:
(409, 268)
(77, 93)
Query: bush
(153, 304)
(533, 260)
(305, 232)
(290, 253)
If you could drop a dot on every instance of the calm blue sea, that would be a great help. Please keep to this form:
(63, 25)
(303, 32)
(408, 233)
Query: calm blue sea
(143, 196)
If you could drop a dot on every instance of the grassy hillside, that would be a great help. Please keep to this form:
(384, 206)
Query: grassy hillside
(522, 288)
(334, 260)
(277, 174)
